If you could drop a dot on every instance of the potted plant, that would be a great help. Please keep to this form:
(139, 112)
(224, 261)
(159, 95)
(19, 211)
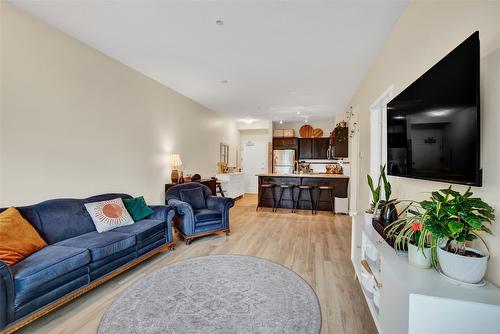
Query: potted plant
(388, 212)
(375, 199)
(454, 219)
(410, 234)
(383, 210)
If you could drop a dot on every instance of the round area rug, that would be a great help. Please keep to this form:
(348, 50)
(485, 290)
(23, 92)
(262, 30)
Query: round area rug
(216, 294)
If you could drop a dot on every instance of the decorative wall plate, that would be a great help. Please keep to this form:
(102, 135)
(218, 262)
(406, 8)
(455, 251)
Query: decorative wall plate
(317, 133)
(306, 131)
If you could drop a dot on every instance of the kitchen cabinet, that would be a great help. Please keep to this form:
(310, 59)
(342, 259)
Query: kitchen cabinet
(313, 148)
(285, 143)
(341, 146)
(320, 146)
(305, 148)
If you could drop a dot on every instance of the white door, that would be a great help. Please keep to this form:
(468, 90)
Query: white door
(253, 160)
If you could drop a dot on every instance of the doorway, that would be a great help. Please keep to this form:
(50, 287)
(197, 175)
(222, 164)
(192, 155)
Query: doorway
(254, 146)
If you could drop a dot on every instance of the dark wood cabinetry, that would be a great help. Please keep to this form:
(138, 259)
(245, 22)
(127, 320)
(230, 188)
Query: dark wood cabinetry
(320, 146)
(341, 145)
(313, 148)
(305, 148)
(285, 143)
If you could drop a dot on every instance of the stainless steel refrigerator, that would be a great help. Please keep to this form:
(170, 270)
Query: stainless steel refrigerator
(283, 161)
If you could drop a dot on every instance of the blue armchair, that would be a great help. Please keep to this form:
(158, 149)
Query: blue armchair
(198, 213)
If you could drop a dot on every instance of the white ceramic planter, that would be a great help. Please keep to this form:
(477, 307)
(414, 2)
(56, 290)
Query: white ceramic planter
(368, 218)
(419, 258)
(463, 268)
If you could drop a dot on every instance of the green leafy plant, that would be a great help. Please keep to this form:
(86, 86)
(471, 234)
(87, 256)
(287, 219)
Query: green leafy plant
(375, 193)
(409, 229)
(456, 218)
(387, 184)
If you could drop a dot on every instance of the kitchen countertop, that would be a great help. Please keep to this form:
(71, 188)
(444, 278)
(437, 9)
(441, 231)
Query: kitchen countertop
(322, 176)
(232, 173)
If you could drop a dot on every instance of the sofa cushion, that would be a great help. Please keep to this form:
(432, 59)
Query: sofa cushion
(137, 208)
(108, 215)
(101, 245)
(203, 215)
(51, 296)
(142, 229)
(48, 264)
(193, 197)
(32, 292)
(61, 219)
(18, 239)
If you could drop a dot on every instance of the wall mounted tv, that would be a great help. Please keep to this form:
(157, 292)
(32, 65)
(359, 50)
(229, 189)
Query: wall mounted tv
(433, 125)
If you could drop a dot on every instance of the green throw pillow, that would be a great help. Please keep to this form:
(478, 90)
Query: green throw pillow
(137, 208)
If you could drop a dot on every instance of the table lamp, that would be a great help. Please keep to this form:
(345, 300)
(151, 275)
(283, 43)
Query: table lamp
(175, 163)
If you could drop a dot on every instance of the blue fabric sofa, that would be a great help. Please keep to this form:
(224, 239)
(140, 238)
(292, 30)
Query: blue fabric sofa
(210, 215)
(77, 257)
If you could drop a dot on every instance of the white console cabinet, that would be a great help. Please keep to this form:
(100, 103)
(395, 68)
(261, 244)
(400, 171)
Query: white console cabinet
(403, 299)
(233, 184)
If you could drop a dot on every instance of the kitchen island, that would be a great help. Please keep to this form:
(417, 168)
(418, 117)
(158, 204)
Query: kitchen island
(338, 181)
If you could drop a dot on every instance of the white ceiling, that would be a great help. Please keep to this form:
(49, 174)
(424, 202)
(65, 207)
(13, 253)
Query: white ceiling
(279, 58)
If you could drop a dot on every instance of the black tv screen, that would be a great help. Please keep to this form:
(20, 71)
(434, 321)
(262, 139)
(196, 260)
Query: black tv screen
(433, 125)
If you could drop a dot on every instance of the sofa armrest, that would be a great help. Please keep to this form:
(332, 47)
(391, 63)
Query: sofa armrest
(181, 208)
(184, 219)
(7, 295)
(164, 213)
(221, 204)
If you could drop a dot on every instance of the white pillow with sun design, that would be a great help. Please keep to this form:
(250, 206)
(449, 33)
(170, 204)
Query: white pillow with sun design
(108, 215)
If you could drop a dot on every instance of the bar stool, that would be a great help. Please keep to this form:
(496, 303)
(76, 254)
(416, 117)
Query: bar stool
(218, 186)
(310, 189)
(284, 187)
(262, 188)
(330, 193)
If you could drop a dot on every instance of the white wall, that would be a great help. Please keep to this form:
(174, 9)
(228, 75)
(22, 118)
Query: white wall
(75, 122)
(425, 33)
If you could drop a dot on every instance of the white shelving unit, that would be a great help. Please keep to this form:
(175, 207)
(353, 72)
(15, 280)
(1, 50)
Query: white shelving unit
(417, 301)
(233, 184)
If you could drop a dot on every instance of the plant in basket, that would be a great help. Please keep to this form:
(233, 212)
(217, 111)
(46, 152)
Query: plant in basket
(454, 220)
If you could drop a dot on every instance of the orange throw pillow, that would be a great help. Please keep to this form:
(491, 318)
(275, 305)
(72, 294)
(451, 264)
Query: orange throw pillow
(18, 239)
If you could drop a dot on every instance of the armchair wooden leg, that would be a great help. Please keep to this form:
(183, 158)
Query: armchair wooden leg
(228, 232)
(188, 241)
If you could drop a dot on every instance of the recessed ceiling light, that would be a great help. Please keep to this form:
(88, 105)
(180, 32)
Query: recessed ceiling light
(298, 112)
(307, 121)
(224, 81)
(219, 22)
(248, 120)
(281, 121)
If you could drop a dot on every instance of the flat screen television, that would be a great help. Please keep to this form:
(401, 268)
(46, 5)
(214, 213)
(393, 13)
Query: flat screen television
(433, 125)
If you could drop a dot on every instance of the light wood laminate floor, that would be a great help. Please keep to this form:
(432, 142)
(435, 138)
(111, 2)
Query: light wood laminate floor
(316, 247)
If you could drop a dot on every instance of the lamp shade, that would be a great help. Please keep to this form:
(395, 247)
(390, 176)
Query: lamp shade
(175, 161)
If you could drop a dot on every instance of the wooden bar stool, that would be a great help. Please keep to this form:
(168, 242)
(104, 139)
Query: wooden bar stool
(329, 189)
(283, 188)
(262, 188)
(309, 189)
